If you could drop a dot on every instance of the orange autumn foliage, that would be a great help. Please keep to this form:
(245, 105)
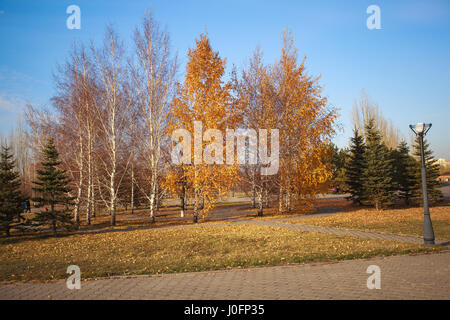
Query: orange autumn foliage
(306, 124)
(204, 97)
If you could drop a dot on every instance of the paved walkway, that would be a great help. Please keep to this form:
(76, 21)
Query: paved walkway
(424, 276)
(403, 277)
(354, 233)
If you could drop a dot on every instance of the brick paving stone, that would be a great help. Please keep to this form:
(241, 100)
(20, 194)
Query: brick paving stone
(425, 276)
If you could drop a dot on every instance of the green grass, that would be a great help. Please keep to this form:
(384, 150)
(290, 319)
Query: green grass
(156, 251)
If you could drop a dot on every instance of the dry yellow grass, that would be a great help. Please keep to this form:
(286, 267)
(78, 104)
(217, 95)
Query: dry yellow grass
(156, 251)
(407, 221)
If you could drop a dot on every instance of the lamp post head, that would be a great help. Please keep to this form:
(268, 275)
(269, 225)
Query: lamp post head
(420, 128)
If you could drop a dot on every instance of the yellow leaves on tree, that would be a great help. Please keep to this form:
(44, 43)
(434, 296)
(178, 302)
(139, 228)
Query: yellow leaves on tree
(204, 97)
(305, 123)
(285, 97)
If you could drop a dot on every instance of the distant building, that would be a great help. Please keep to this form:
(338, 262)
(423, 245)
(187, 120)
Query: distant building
(445, 177)
(444, 165)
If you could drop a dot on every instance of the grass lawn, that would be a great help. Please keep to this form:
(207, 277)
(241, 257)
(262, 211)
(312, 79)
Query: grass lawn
(155, 251)
(407, 221)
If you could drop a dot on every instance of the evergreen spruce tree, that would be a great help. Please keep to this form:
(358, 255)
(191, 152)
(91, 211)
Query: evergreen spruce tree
(338, 161)
(10, 195)
(404, 169)
(432, 171)
(354, 168)
(378, 182)
(52, 186)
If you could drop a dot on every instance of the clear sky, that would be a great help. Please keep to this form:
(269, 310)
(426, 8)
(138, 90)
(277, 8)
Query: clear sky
(404, 66)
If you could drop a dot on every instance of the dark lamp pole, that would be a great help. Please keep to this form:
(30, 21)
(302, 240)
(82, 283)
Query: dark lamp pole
(421, 130)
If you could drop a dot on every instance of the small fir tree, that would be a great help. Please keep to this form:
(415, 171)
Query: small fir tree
(432, 171)
(10, 195)
(378, 182)
(404, 168)
(52, 186)
(338, 161)
(354, 168)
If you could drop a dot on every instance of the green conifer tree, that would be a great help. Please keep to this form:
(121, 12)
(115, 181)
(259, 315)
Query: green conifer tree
(354, 168)
(432, 171)
(379, 185)
(404, 169)
(338, 162)
(10, 195)
(52, 186)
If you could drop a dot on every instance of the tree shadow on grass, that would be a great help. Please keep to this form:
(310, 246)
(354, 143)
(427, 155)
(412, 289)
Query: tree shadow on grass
(17, 238)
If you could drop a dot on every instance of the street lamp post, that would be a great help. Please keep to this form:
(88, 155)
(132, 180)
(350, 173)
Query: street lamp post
(421, 130)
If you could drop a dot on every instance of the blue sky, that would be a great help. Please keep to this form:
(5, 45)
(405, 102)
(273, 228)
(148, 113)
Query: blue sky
(404, 67)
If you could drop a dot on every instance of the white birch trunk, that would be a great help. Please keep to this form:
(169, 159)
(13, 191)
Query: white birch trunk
(80, 182)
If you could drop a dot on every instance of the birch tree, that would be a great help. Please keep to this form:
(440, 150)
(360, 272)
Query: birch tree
(73, 102)
(115, 103)
(364, 110)
(306, 124)
(255, 93)
(153, 79)
(205, 99)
